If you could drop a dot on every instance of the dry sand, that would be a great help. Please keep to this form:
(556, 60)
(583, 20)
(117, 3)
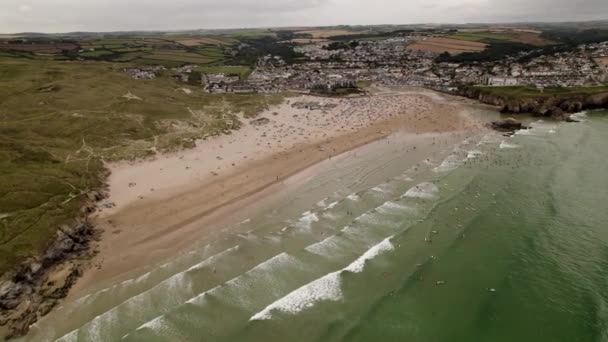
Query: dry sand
(162, 204)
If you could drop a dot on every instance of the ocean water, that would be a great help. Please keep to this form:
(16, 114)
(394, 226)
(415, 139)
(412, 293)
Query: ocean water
(494, 239)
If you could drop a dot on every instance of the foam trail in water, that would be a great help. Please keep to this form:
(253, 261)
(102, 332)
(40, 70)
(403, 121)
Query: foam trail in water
(474, 154)
(331, 205)
(178, 280)
(424, 191)
(353, 197)
(506, 145)
(358, 265)
(326, 288)
(307, 219)
(450, 163)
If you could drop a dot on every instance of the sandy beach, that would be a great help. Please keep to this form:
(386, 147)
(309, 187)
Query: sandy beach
(160, 205)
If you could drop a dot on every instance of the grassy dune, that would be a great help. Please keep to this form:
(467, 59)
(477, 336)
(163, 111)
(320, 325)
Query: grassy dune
(60, 120)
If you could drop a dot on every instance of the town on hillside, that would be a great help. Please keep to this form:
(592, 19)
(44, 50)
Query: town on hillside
(409, 59)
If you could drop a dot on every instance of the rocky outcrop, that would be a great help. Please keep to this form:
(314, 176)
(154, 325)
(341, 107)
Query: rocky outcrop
(508, 125)
(555, 106)
(36, 286)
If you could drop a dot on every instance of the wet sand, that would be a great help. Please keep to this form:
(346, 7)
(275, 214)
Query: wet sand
(162, 204)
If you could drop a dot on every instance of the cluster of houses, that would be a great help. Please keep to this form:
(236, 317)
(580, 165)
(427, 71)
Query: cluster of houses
(388, 62)
(145, 73)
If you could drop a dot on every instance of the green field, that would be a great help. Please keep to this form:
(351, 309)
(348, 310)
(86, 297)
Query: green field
(479, 36)
(96, 53)
(58, 120)
(242, 71)
(185, 58)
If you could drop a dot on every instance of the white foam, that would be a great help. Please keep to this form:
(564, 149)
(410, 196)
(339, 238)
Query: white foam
(392, 206)
(423, 191)
(265, 267)
(307, 219)
(450, 163)
(579, 116)
(170, 285)
(326, 288)
(323, 247)
(506, 145)
(331, 205)
(358, 265)
(353, 197)
(474, 154)
(70, 337)
(379, 189)
(321, 203)
(155, 325)
(212, 259)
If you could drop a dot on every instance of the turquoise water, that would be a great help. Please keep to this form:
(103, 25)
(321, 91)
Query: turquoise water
(500, 239)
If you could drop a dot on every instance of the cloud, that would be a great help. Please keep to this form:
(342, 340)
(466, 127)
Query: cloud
(113, 15)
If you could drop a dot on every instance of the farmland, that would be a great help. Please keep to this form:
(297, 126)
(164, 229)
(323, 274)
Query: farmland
(203, 41)
(481, 36)
(512, 35)
(453, 46)
(328, 33)
(162, 51)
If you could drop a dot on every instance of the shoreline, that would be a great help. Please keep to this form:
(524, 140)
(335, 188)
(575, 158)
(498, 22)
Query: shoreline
(156, 208)
(142, 230)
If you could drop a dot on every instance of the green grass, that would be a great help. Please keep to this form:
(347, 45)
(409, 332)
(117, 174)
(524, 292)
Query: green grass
(242, 71)
(127, 57)
(212, 51)
(479, 36)
(59, 120)
(96, 53)
(186, 58)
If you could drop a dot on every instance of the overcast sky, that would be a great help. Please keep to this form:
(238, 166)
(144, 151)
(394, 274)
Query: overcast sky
(115, 15)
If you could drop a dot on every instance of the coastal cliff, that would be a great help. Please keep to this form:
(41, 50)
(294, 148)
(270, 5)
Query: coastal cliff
(557, 105)
(38, 284)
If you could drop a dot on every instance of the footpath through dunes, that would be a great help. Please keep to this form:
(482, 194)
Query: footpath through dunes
(280, 268)
(165, 204)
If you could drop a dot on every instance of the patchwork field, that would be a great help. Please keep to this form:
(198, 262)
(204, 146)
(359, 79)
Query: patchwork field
(309, 40)
(202, 41)
(531, 37)
(168, 52)
(40, 48)
(475, 37)
(329, 33)
(453, 46)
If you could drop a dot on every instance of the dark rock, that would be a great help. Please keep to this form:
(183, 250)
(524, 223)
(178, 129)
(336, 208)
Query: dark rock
(571, 119)
(37, 285)
(10, 295)
(507, 125)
